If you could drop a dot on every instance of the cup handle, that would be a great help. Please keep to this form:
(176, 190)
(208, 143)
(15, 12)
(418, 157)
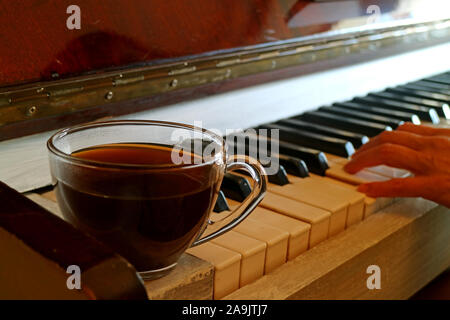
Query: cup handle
(258, 175)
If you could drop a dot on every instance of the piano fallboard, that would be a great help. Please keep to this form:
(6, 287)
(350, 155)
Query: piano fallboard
(84, 75)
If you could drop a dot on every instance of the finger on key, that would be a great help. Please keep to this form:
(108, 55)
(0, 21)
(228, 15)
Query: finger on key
(401, 187)
(424, 130)
(403, 138)
(435, 146)
(392, 155)
(428, 187)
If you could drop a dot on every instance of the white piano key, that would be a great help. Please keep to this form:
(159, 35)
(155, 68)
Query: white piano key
(253, 254)
(276, 240)
(390, 172)
(226, 266)
(298, 230)
(319, 219)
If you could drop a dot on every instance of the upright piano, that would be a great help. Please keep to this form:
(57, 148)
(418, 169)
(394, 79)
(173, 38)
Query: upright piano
(329, 75)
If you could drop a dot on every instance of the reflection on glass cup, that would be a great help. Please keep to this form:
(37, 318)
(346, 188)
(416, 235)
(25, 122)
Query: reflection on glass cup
(118, 182)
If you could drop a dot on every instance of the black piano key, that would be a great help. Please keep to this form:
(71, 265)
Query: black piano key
(392, 114)
(424, 113)
(303, 138)
(315, 160)
(291, 165)
(439, 79)
(356, 139)
(419, 93)
(278, 176)
(294, 166)
(441, 107)
(430, 84)
(425, 88)
(221, 203)
(441, 101)
(235, 187)
(354, 125)
(393, 123)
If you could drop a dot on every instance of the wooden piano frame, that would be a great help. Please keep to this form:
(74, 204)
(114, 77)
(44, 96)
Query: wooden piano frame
(36, 107)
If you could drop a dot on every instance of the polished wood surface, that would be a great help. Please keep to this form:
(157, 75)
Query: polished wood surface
(35, 43)
(191, 278)
(35, 266)
(126, 59)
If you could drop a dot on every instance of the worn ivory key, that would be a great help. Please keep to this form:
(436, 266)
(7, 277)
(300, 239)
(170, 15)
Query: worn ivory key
(371, 205)
(298, 230)
(355, 211)
(276, 240)
(356, 199)
(335, 159)
(338, 201)
(337, 171)
(317, 218)
(381, 170)
(324, 196)
(338, 176)
(253, 254)
(390, 172)
(226, 263)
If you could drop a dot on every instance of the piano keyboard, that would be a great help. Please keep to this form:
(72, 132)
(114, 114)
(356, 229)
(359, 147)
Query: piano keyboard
(311, 198)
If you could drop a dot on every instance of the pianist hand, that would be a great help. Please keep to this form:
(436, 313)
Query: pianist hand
(424, 151)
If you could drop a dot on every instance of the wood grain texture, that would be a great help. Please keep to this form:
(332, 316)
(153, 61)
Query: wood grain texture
(191, 279)
(438, 289)
(35, 46)
(34, 266)
(91, 105)
(409, 240)
(36, 43)
(46, 203)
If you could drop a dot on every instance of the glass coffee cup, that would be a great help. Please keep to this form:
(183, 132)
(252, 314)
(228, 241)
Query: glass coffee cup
(146, 188)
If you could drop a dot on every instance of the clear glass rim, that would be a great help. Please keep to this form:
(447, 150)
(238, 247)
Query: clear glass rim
(112, 165)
